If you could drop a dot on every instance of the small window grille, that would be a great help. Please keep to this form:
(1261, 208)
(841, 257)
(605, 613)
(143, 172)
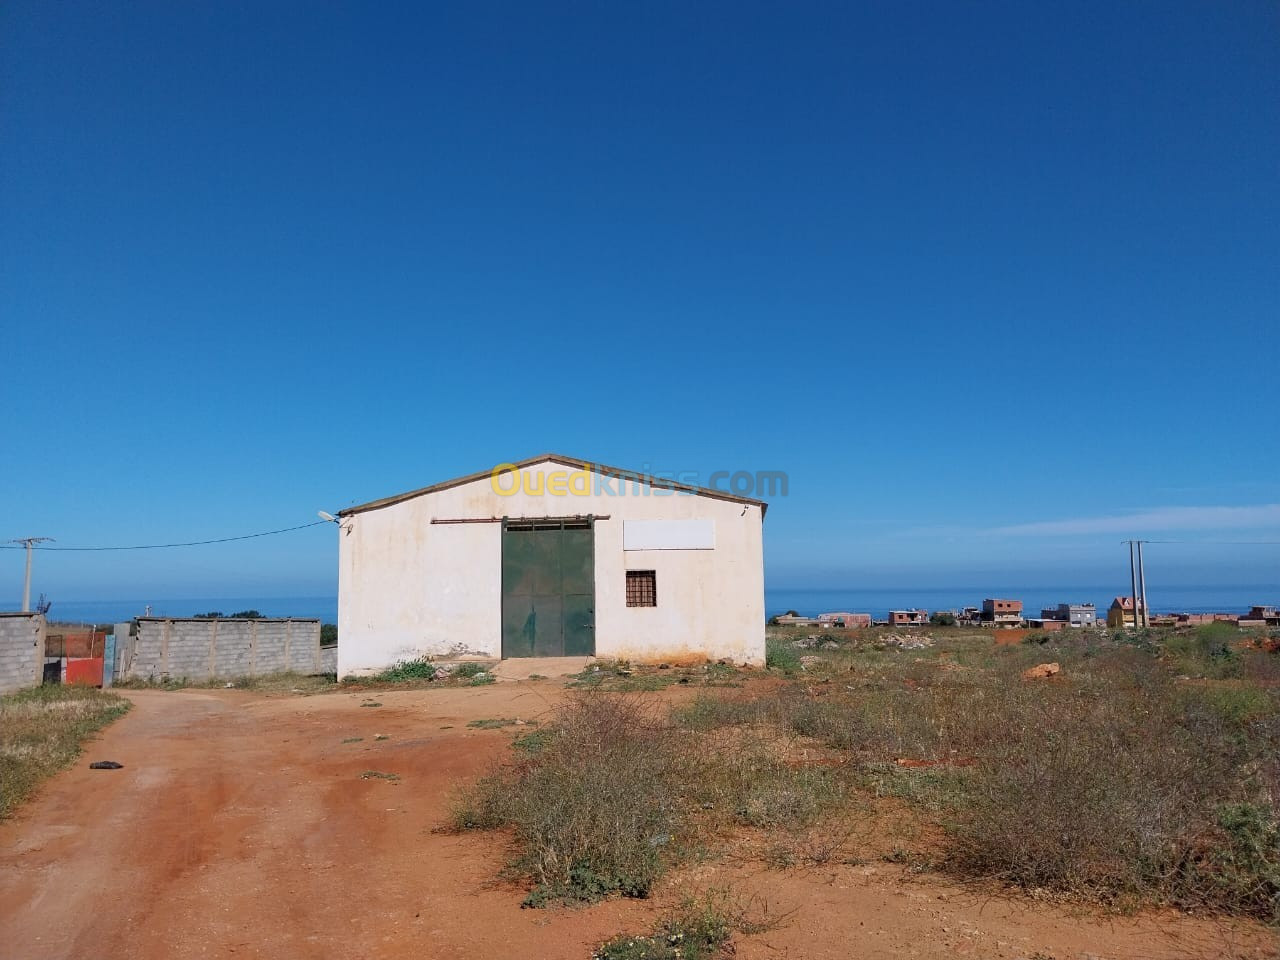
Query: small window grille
(642, 588)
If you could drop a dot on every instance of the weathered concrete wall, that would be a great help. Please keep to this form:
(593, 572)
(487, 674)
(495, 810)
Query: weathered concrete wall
(204, 649)
(21, 650)
(409, 588)
(328, 659)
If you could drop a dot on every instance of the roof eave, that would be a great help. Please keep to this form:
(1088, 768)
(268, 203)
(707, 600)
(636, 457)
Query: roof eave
(565, 461)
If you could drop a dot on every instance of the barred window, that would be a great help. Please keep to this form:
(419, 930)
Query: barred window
(642, 588)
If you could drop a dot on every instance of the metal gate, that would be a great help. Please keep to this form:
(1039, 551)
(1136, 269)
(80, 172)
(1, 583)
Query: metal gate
(75, 658)
(548, 587)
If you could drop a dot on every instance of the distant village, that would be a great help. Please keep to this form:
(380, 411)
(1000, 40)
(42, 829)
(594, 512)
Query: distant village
(998, 613)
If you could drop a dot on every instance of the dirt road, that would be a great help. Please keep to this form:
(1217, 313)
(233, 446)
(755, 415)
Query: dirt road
(241, 827)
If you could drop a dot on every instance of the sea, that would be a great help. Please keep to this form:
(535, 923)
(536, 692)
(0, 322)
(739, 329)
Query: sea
(808, 602)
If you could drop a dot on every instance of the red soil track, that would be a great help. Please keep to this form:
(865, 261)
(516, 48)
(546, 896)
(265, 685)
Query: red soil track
(240, 828)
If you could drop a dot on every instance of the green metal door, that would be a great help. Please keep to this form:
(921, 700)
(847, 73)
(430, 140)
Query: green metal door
(548, 588)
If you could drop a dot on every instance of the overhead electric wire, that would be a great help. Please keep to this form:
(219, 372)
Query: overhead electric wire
(1216, 543)
(192, 543)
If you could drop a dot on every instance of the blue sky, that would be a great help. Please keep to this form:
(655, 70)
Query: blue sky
(995, 284)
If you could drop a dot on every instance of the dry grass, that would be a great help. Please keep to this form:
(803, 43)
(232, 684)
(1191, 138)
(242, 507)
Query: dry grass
(613, 792)
(283, 683)
(41, 732)
(1115, 782)
(1119, 781)
(698, 928)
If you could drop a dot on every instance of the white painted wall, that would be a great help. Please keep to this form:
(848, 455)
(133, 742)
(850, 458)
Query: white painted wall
(409, 588)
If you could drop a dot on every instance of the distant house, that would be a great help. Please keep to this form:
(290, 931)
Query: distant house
(1199, 619)
(847, 621)
(1002, 612)
(1267, 614)
(908, 618)
(969, 615)
(1046, 623)
(794, 620)
(1121, 612)
(1076, 614)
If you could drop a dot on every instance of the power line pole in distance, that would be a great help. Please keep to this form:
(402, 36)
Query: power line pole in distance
(29, 542)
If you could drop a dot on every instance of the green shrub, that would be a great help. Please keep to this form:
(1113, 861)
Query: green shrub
(419, 669)
(611, 792)
(1242, 870)
(781, 655)
(594, 808)
(1211, 650)
(470, 670)
(699, 929)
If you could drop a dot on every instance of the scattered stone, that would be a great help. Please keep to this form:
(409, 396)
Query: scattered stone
(905, 641)
(1042, 671)
(831, 645)
(106, 765)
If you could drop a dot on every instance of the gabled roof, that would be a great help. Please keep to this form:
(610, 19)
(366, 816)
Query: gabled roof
(628, 475)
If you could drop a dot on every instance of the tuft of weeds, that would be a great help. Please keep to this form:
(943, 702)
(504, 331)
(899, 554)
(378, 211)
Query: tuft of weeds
(470, 670)
(534, 742)
(43, 730)
(353, 739)
(1210, 650)
(493, 723)
(619, 676)
(699, 928)
(371, 703)
(1241, 871)
(779, 654)
(379, 775)
(283, 683)
(612, 792)
(593, 808)
(405, 671)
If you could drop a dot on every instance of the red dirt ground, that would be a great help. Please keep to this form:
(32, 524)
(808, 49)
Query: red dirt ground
(240, 828)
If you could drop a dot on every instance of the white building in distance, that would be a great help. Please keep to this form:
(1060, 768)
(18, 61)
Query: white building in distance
(551, 556)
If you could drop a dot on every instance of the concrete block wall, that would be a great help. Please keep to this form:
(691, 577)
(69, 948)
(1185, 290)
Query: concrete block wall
(272, 649)
(329, 659)
(233, 648)
(21, 650)
(187, 646)
(208, 649)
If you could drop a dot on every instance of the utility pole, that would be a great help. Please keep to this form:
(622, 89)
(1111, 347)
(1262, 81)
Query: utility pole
(1138, 584)
(1133, 586)
(26, 583)
(1142, 587)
